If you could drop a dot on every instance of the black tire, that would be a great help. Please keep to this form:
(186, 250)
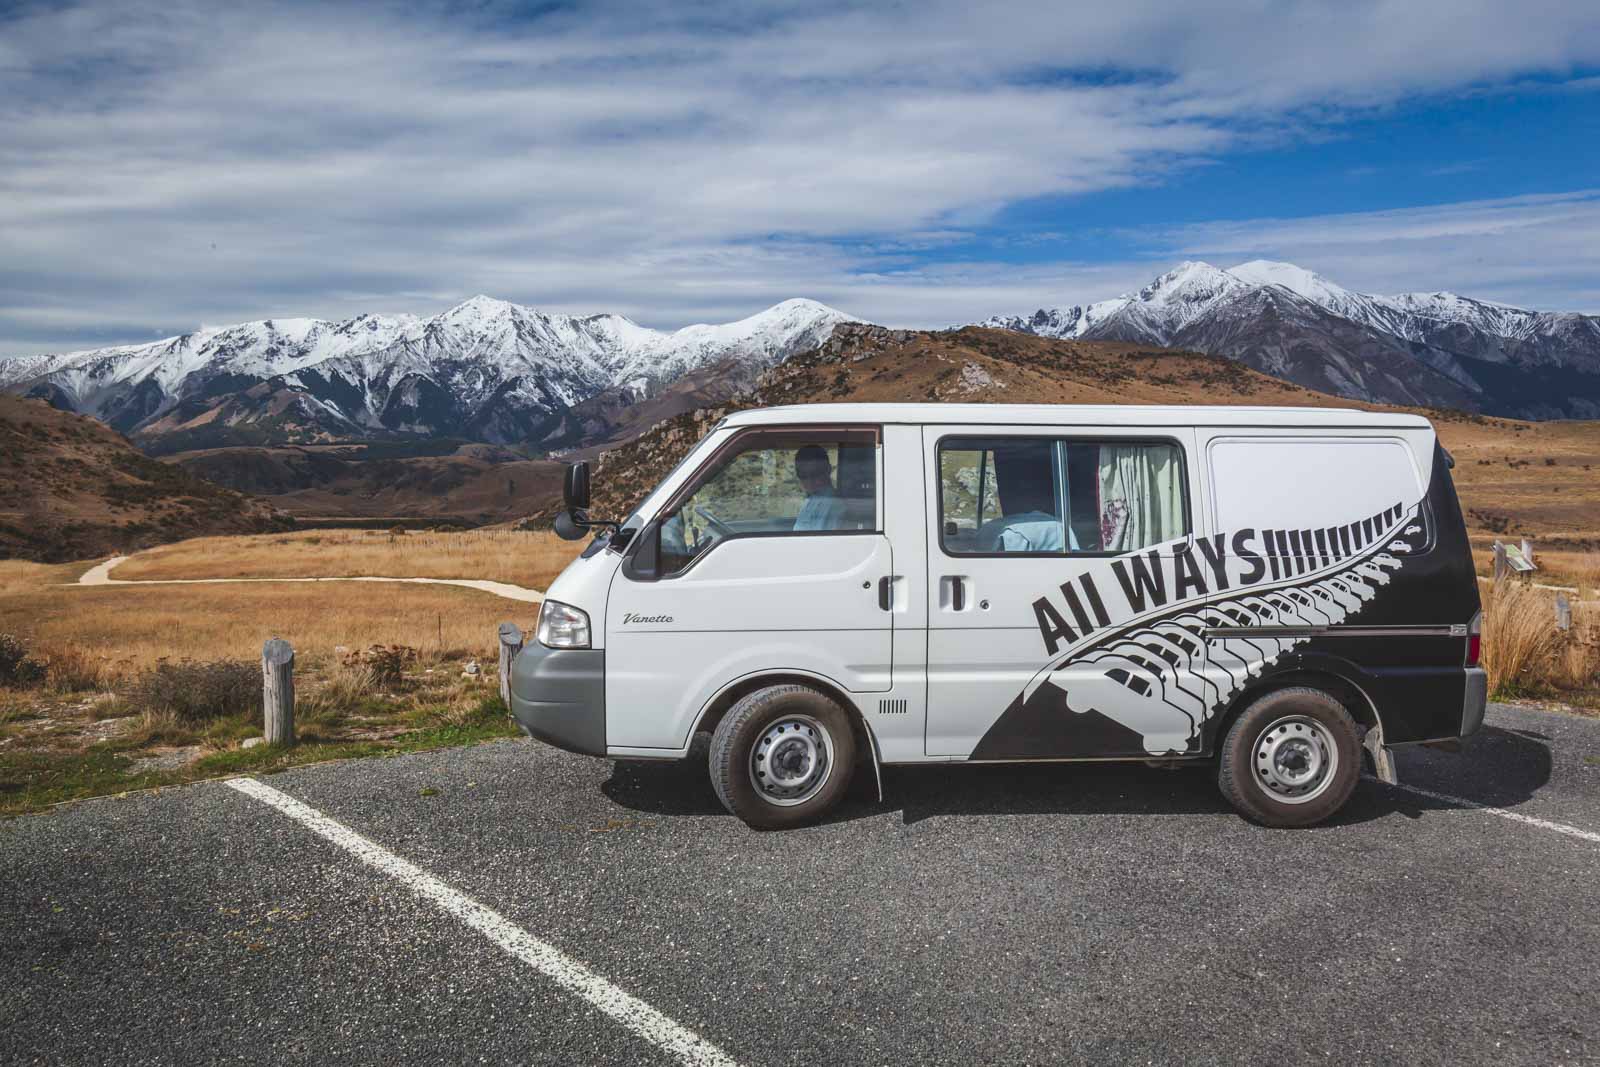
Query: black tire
(1279, 737)
(822, 730)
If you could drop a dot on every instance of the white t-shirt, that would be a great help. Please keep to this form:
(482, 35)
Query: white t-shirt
(1031, 531)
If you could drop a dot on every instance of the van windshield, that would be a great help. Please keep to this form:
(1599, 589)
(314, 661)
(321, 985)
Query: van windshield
(777, 484)
(634, 521)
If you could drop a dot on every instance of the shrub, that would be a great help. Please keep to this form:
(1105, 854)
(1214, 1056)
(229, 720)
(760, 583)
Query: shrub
(385, 663)
(18, 668)
(196, 692)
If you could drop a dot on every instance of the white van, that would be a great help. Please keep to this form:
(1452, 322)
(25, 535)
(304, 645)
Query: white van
(828, 586)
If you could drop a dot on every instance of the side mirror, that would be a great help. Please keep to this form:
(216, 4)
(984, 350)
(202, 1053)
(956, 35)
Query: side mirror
(575, 487)
(567, 528)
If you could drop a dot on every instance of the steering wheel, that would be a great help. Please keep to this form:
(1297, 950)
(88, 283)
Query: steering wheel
(704, 515)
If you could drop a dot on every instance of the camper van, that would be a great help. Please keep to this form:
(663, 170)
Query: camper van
(1281, 594)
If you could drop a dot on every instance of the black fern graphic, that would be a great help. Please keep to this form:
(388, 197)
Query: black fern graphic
(1150, 677)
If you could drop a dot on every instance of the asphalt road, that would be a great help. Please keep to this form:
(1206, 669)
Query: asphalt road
(1062, 913)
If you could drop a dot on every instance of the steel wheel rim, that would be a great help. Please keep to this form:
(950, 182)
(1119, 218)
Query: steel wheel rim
(1295, 759)
(791, 761)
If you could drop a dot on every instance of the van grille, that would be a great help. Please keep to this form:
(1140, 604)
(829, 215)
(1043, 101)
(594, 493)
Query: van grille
(893, 707)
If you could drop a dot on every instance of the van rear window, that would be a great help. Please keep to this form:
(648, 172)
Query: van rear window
(1057, 496)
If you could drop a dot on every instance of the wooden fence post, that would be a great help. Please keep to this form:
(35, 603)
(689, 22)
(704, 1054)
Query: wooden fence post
(1527, 551)
(1500, 565)
(510, 644)
(1563, 612)
(277, 691)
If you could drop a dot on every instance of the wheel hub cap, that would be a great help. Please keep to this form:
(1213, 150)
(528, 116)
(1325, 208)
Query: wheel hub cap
(792, 760)
(1295, 759)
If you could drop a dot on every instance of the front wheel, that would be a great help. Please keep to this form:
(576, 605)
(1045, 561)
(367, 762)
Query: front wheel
(1291, 759)
(782, 757)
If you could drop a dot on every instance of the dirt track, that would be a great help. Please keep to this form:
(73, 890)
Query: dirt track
(100, 574)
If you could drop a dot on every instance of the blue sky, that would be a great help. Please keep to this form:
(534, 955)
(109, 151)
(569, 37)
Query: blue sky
(169, 165)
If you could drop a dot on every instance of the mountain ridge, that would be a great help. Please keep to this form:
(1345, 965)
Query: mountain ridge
(1434, 349)
(486, 368)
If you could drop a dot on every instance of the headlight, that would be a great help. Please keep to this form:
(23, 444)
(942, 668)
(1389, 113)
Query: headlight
(562, 626)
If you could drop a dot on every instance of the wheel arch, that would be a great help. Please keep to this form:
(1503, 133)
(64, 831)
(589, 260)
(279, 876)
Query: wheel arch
(1341, 685)
(729, 695)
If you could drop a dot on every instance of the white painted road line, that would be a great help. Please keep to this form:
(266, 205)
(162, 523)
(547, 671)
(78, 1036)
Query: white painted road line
(633, 1013)
(1529, 820)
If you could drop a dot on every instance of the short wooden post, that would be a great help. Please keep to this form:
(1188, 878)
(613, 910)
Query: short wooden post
(1563, 612)
(1501, 567)
(1527, 551)
(510, 644)
(277, 691)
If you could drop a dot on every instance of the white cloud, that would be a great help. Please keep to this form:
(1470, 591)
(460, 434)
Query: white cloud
(163, 164)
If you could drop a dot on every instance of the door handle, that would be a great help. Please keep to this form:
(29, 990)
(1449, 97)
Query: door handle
(886, 592)
(958, 593)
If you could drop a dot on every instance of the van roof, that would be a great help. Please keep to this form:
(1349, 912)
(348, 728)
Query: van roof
(1076, 414)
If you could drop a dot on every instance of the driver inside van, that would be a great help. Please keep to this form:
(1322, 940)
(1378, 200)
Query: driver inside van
(1024, 480)
(823, 510)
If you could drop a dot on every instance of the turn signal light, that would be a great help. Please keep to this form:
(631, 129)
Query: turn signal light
(1474, 639)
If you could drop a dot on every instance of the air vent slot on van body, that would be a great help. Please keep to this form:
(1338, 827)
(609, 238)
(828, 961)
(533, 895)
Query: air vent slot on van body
(893, 707)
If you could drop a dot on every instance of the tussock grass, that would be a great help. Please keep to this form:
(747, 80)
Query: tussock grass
(529, 559)
(1523, 651)
(131, 628)
(1519, 637)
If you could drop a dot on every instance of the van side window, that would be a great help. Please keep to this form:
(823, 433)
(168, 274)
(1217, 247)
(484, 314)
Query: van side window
(1058, 496)
(1307, 482)
(777, 484)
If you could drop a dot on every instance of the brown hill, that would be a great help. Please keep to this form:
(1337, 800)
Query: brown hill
(1527, 479)
(974, 365)
(464, 482)
(73, 488)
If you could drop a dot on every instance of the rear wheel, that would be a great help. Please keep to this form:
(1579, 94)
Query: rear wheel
(1291, 759)
(782, 757)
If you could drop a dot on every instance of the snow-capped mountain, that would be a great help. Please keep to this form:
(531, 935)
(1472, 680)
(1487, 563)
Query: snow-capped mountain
(485, 369)
(1435, 349)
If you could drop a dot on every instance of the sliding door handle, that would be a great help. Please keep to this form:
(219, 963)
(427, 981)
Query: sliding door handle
(886, 592)
(958, 594)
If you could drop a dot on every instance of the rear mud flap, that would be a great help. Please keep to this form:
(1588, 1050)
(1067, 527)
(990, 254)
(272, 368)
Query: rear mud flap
(1382, 758)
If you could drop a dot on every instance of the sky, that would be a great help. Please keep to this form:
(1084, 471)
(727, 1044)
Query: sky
(167, 166)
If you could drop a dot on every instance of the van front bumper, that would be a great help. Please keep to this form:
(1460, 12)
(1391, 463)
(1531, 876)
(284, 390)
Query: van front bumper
(559, 696)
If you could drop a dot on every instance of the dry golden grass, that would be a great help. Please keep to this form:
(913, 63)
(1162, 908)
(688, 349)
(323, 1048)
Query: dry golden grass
(21, 576)
(527, 559)
(95, 635)
(1523, 651)
(1575, 568)
(124, 628)
(1518, 637)
(60, 744)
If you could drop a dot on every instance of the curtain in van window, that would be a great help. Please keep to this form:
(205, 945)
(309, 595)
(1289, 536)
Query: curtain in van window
(1141, 500)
